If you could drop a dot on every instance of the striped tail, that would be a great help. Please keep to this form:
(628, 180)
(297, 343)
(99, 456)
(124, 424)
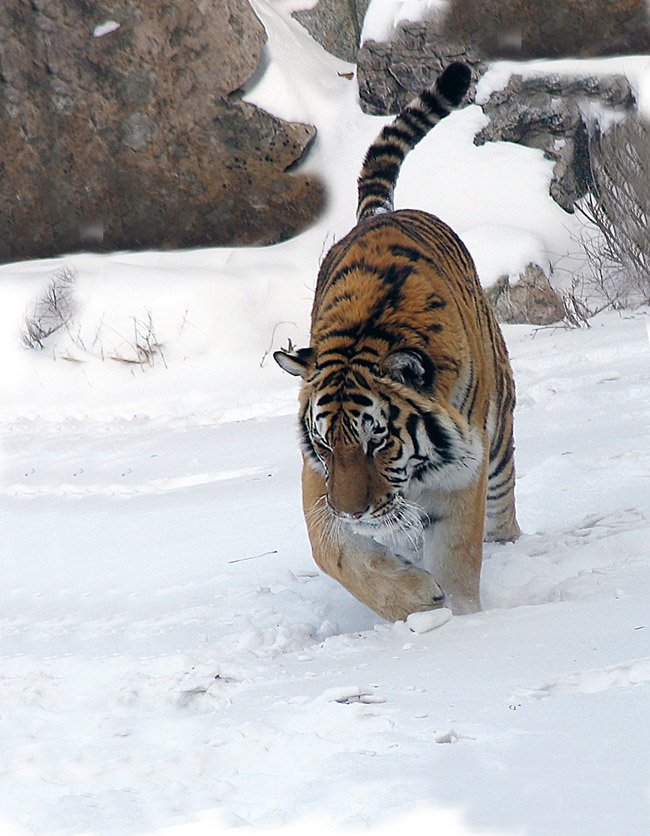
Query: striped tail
(385, 156)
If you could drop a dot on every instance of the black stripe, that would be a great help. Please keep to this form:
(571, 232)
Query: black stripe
(325, 364)
(433, 104)
(376, 188)
(500, 495)
(501, 484)
(385, 151)
(361, 265)
(384, 146)
(417, 121)
(336, 301)
(438, 436)
(371, 365)
(503, 431)
(397, 274)
(327, 398)
(401, 132)
(470, 409)
(377, 332)
(305, 436)
(351, 331)
(362, 400)
(411, 428)
(496, 443)
(410, 253)
(505, 461)
(333, 378)
(360, 379)
(435, 301)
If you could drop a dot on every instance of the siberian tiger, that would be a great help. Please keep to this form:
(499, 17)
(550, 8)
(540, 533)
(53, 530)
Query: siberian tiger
(407, 397)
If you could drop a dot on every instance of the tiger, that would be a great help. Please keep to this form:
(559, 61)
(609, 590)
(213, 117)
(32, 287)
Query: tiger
(407, 396)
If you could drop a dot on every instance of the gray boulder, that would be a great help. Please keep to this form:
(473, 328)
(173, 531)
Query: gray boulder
(529, 298)
(478, 31)
(391, 74)
(548, 112)
(132, 136)
(541, 113)
(336, 25)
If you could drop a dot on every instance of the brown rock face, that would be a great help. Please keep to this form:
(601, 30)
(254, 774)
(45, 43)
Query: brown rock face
(128, 137)
(529, 299)
(552, 28)
(391, 74)
(336, 25)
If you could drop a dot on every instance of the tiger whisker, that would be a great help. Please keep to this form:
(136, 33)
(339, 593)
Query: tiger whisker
(320, 514)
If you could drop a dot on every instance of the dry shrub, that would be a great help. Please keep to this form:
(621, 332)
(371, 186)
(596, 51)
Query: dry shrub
(619, 209)
(51, 311)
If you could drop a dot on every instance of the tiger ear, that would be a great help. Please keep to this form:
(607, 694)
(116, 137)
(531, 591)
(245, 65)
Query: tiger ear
(412, 367)
(295, 362)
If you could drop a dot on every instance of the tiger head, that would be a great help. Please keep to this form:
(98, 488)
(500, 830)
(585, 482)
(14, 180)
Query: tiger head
(377, 432)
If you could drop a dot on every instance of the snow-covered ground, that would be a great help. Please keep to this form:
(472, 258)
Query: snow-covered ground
(171, 659)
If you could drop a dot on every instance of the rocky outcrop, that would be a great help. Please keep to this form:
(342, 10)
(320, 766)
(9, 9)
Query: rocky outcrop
(550, 112)
(477, 31)
(120, 127)
(545, 112)
(524, 29)
(391, 74)
(528, 299)
(336, 25)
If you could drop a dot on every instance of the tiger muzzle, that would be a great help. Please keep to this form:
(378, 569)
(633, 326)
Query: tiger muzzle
(349, 484)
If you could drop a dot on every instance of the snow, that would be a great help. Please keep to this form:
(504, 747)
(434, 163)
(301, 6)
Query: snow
(644, 91)
(520, 249)
(635, 67)
(172, 660)
(105, 28)
(423, 622)
(384, 16)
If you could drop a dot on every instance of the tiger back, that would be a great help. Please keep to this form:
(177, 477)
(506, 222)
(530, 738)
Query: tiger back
(407, 397)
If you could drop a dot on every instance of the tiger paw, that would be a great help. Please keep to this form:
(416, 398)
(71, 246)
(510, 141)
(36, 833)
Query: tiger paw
(416, 591)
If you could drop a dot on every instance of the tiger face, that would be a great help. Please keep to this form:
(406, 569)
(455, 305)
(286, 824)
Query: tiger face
(381, 436)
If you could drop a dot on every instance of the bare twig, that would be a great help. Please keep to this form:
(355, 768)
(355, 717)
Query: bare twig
(618, 208)
(52, 311)
(270, 348)
(145, 345)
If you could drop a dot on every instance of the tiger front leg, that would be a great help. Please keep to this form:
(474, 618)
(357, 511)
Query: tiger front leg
(391, 587)
(453, 544)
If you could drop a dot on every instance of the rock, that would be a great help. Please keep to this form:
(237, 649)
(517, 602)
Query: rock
(477, 31)
(525, 29)
(336, 25)
(391, 74)
(547, 112)
(120, 128)
(529, 299)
